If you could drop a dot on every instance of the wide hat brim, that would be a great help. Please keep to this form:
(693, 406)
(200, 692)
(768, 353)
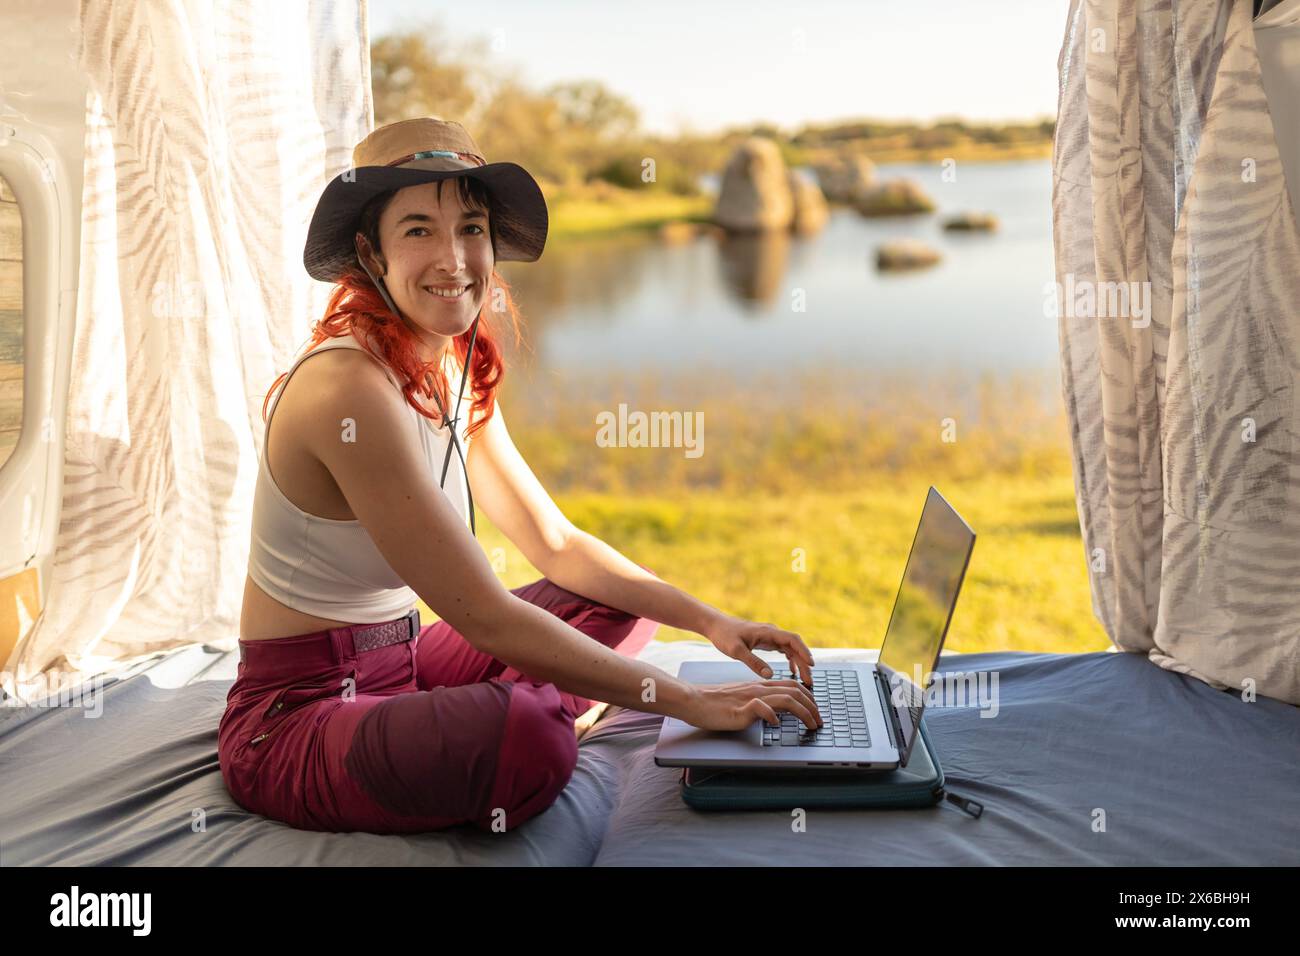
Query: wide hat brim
(519, 216)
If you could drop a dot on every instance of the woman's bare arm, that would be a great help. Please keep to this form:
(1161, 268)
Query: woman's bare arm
(363, 435)
(511, 495)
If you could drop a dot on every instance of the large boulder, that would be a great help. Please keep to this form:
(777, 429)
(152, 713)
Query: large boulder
(810, 211)
(845, 178)
(755, 193)
(895, 197)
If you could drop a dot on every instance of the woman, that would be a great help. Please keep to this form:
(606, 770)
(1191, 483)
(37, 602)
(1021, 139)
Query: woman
(347, 714)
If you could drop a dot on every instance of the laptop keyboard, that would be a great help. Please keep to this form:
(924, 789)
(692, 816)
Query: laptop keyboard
(838, 694)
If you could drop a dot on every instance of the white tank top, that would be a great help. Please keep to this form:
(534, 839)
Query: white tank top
(331, 568)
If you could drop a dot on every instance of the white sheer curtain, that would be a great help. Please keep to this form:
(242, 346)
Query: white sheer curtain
(1171, 211)
(212, 129)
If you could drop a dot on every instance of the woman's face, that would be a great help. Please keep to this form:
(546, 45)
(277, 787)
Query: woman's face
(434, 245)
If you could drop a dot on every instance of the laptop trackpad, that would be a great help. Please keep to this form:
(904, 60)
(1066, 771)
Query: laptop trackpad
(678, 737)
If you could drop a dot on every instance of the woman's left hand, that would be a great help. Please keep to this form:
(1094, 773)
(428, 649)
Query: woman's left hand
(738, 638)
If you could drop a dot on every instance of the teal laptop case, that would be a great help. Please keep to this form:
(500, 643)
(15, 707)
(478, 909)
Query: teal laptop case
(919, 784)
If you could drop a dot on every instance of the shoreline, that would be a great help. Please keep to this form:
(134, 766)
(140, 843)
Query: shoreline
(602, 210)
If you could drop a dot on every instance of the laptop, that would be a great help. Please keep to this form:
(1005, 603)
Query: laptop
(871, 711)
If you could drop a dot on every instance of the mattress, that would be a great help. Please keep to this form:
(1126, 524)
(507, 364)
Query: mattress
(1093, 759)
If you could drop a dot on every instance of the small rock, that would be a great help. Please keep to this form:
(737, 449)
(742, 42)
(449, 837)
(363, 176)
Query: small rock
(906, 254)
(972, 222)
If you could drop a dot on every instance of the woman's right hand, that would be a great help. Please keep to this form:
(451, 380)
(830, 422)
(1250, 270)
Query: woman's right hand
(736, 706)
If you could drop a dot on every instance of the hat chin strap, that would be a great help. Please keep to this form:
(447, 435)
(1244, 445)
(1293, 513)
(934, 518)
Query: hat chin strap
(447, 422)
(379, 284)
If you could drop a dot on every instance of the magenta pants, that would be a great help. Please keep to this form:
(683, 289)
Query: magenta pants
(408, 737)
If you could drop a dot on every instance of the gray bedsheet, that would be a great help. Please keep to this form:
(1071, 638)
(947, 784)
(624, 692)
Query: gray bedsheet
(125, 788)
(1184, 773)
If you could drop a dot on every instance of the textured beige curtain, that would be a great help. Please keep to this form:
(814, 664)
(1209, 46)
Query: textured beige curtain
(213, 127)
(1178, 273)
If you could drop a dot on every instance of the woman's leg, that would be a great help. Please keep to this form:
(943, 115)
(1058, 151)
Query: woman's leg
(480, 741)
(493, 754)
(308, 753)
(476, 742)
(445, 658)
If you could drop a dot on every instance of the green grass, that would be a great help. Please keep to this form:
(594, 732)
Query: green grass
(611, 209)
(1026, 589)
(724, 527)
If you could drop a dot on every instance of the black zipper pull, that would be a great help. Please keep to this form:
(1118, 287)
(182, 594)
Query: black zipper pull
(967, 805)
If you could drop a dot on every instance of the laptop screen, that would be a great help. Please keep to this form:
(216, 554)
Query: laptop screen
(922, 610)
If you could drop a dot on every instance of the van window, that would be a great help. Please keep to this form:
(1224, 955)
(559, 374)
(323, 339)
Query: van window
(11, 322)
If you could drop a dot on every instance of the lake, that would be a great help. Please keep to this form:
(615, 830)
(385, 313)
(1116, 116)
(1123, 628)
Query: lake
(605, 307)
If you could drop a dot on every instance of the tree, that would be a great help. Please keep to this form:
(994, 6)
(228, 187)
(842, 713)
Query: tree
(588, 105)
(419, 73)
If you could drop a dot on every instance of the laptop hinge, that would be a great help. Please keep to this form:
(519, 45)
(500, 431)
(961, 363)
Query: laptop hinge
(895, 725)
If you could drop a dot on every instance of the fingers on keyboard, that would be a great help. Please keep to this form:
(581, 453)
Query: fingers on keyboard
(838, 695)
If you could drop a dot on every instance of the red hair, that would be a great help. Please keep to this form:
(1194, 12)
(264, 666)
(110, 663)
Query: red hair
(355, 305)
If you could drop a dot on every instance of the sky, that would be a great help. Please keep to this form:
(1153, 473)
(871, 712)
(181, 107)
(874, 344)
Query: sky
(709, 64)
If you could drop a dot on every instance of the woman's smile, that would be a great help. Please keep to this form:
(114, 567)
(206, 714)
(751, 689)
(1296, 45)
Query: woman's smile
(447, 292)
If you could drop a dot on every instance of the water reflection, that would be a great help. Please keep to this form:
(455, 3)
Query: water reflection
(754, 266)
(634, 303)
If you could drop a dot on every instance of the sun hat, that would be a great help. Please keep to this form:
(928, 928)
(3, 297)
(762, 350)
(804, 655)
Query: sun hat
(410, 153)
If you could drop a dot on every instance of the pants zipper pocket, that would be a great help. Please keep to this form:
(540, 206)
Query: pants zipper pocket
(299, 695)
